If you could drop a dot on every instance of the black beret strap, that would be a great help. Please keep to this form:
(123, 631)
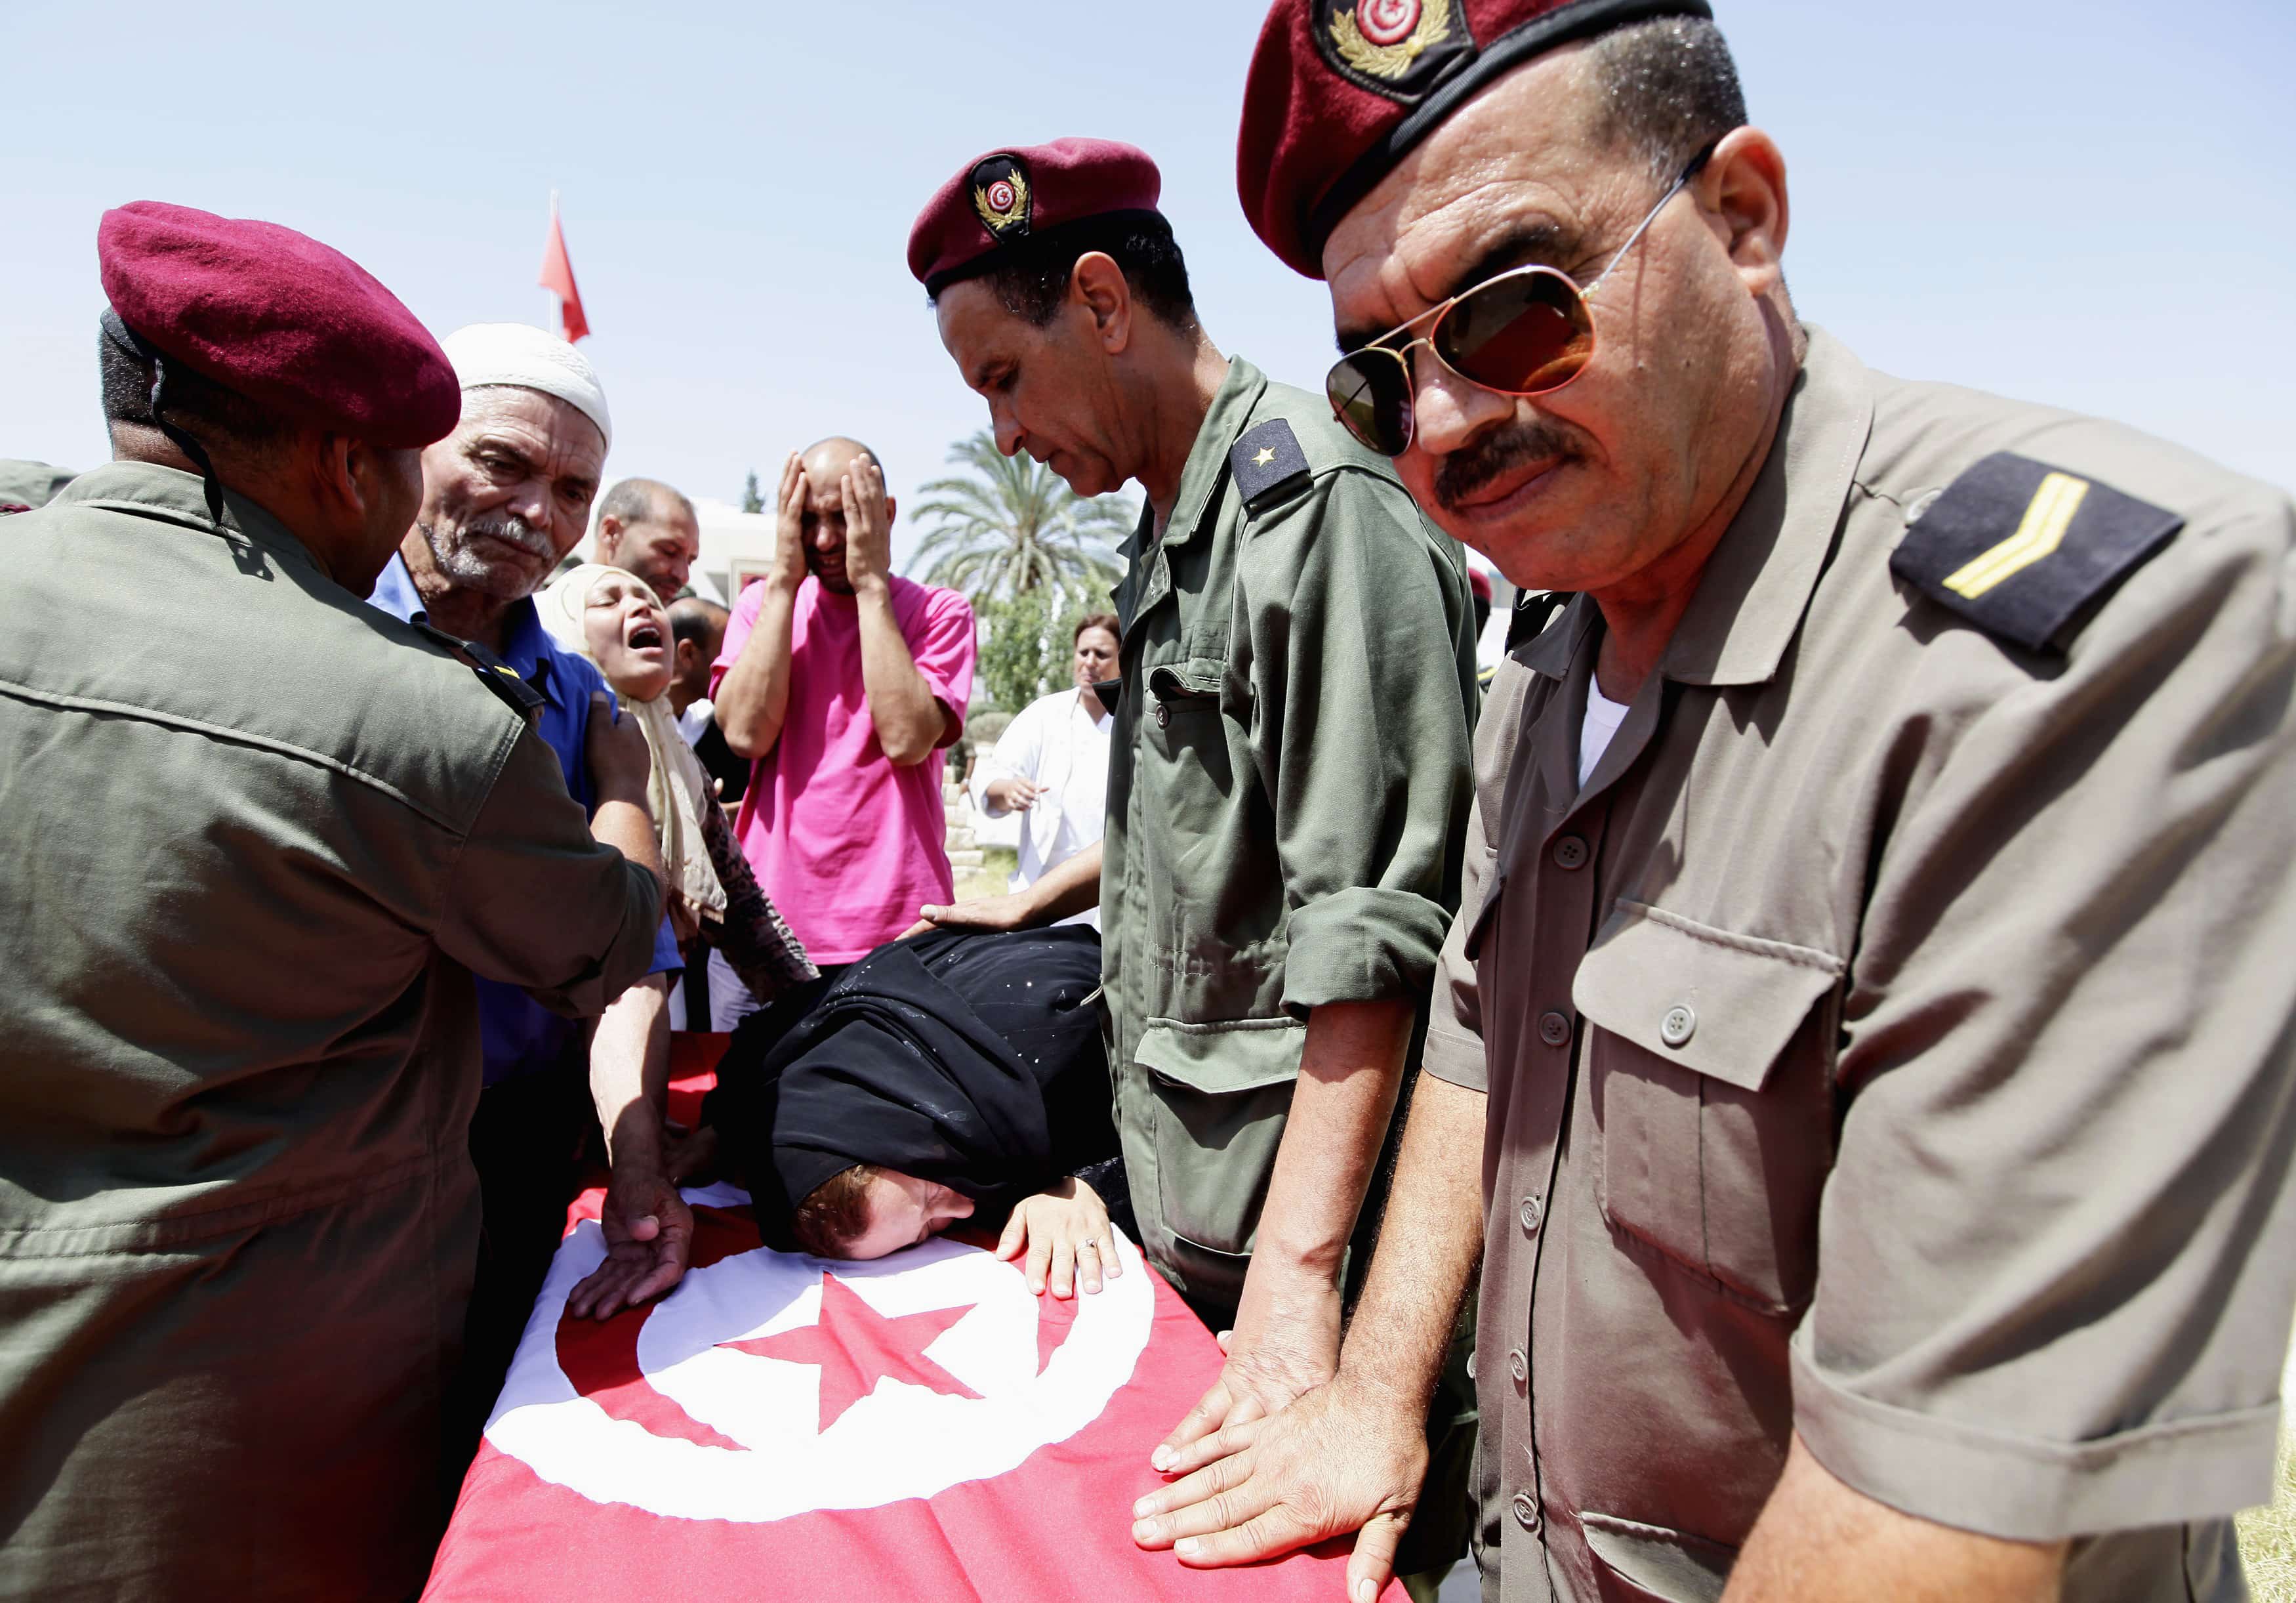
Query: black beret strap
(115, 330)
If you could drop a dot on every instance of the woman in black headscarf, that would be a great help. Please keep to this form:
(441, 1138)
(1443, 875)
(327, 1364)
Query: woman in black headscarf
(941, 1076)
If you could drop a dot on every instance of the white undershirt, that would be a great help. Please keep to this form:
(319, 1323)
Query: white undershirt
(1604, 717)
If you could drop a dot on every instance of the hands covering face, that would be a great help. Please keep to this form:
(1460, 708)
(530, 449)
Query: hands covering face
(868, 530)
(847, 538)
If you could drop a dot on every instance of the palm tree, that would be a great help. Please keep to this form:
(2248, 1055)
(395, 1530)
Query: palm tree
(1009, 526)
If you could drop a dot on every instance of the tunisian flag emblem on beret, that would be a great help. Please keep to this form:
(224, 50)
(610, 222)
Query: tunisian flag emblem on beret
(1000, 194)
(922, 1426)
(1396, 48)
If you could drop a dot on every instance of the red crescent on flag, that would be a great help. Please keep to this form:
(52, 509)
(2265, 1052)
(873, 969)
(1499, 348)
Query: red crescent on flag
(601, 1361)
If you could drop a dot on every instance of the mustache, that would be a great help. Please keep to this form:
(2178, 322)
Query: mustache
(1492, 455)
(512, 530)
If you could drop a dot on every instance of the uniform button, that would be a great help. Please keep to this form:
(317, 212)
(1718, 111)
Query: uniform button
(1679, 1025)
(1555, 1030)
(1530, 1215)
(1571, 852)
(1163, 715)
(1519, 1366)
(1526, 1512)
(1471, 1364)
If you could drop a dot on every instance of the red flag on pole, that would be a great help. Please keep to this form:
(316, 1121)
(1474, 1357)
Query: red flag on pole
(558, 278)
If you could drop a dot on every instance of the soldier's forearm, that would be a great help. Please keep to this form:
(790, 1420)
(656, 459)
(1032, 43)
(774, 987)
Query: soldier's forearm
(628, 828)
(1819, 1541)
(630, 1072)
(1430, 1245)
(1349, 1071)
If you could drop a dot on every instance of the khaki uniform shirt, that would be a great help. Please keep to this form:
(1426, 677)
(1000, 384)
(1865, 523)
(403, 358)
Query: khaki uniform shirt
(1287, 795)
(259, 834)
(1892, 1041)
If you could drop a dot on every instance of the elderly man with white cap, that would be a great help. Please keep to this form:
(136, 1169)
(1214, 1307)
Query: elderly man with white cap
(505, 497)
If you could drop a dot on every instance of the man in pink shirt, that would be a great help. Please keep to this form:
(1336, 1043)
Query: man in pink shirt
(842, 684)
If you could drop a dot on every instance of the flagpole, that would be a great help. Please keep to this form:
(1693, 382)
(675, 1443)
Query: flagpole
(557, 306)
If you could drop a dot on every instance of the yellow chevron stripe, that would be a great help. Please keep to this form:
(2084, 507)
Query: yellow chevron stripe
(2048, 516)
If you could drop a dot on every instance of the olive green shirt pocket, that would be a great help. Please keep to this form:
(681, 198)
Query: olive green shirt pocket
(1222, 1094)
(1711, 1057)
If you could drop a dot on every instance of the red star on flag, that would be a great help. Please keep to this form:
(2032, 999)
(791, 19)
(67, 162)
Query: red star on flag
(855, 1347)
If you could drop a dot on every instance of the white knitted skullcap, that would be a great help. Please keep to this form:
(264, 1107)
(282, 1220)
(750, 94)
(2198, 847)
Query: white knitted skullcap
(514, 354)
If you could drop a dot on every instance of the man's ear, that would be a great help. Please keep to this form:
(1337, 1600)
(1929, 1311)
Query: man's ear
(1098, 285)
(892, 510)
(610, 534)
(1745, 185)
(333, 470)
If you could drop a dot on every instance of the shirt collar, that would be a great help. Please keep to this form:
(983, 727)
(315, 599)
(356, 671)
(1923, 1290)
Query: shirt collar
(1230, 415)
(1758, 583)
(526, 646)
(175, 496)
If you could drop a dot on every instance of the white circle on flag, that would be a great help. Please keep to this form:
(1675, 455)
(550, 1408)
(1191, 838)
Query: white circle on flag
(900, 1441)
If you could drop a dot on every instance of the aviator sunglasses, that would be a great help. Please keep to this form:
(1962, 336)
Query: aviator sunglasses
(1527, 331)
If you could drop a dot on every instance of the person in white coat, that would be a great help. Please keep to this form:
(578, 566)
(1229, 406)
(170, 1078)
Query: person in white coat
(1052, 763)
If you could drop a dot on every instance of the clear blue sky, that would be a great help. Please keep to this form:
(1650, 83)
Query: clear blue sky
(2084, 203)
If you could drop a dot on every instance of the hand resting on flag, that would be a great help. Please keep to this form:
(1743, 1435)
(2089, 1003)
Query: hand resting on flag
(1065, 1232)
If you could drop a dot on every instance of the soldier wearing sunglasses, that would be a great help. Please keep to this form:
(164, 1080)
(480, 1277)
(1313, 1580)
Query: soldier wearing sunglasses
(1287, 783)
(1861, 1062)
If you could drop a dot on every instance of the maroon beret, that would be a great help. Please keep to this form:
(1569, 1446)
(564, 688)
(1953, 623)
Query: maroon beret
(1009, 196)
(287, 322)
(1342, 90)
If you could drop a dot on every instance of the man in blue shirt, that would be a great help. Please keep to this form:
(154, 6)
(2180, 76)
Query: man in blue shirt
(505, 497)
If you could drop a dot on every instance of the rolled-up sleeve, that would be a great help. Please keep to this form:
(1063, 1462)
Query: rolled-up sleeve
(1455, 1021)
(2058, 1249)
(1355, 615)
(536, 901)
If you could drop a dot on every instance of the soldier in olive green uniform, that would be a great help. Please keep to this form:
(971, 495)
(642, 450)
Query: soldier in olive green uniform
(1282, 829)
(260, 835)
(1872, 995)
(1288, 776)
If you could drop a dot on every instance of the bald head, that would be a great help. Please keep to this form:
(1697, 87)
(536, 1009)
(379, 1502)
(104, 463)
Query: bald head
(824, 463)
(825, 460)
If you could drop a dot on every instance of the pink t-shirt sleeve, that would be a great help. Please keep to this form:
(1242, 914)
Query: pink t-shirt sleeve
(737, 632)
(943, 644)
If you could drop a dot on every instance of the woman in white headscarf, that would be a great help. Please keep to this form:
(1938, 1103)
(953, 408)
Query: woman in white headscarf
(611, 618)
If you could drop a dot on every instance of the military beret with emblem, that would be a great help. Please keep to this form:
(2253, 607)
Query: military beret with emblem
(1010, 198)
(292, 324)
(1340, 91)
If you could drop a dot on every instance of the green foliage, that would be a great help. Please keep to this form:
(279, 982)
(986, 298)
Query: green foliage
(751, 501)
(1007, 527)
(1026, 644)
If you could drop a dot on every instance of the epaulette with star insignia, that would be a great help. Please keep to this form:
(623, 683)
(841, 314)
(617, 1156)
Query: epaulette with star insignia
(2023, 549)
(1265, 461)
(496, 675)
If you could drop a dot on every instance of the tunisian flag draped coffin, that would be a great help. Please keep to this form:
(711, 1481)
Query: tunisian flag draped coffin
(921, 1427)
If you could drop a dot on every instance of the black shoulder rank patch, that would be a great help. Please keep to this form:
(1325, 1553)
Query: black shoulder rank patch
(496, 675)
(1264, 460)
(2022, 549)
